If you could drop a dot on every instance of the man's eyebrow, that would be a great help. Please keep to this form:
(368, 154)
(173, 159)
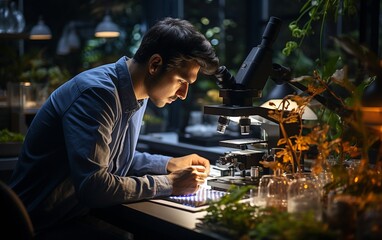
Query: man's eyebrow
(189, 81)
(186, 78)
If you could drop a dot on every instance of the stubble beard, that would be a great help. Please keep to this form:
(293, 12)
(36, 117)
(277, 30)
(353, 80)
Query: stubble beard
(152, 83)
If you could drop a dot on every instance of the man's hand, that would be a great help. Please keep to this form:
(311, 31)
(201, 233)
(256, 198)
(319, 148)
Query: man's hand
(187, 173)
(187, 180)
(187, 161)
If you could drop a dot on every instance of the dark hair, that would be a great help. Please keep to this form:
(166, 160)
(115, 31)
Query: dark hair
(177, 42)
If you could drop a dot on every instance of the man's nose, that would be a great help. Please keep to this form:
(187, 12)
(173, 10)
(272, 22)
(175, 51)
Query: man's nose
(182, 91)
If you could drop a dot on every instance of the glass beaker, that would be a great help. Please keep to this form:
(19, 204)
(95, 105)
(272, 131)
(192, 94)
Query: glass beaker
(304, 195)
(18, 18)
(278, 192)
(272, 191)
(5, 23)
(262, 195)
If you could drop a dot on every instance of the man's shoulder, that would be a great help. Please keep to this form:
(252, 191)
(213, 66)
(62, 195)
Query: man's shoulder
(99, 77)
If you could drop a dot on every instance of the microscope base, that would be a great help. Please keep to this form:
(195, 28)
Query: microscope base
(227, 182)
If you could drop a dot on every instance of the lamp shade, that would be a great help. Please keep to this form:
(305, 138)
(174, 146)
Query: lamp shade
(62, 46)
(40, 31)
(372, 105)
(279, 91)
(372, 96)
(307, 115)
(73, 39)
(107, 28)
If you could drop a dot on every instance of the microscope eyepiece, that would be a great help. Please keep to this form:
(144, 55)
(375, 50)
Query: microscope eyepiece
(257, 67)
(271, 31)
(224, 78)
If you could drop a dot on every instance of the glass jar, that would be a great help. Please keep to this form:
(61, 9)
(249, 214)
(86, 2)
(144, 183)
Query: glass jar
(304, 195)
(5, 23)
(18, 18)
(278, 192)
(262, 195)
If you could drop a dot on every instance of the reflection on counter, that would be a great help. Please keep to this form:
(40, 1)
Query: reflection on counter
(201, 198)
(24, 100)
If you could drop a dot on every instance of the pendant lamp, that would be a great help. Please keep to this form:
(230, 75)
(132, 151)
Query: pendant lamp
(107, 28)
(40, 31)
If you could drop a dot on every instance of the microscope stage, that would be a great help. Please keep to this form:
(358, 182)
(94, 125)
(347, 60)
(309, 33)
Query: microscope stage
(241, 143)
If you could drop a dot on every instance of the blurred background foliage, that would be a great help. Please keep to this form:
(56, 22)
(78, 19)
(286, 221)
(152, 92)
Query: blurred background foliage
(233, 27)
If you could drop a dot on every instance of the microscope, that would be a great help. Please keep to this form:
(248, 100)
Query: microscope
(238, 94)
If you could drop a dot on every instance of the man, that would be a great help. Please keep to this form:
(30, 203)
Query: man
(79, 151)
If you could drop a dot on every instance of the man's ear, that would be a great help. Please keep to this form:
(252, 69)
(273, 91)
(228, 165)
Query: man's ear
(155, 63)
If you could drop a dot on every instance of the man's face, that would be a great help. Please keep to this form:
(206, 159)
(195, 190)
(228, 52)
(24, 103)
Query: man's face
(167, 87)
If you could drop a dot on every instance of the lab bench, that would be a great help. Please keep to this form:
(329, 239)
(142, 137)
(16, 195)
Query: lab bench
(158, 218)
(153, 220)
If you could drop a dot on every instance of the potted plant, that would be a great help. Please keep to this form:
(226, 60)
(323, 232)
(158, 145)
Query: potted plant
(10, 143)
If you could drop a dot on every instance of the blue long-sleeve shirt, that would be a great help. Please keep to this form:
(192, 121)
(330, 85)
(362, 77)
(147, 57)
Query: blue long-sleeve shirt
(79, 151)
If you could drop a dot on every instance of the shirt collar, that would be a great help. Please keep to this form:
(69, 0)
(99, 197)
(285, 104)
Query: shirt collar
(126, 93)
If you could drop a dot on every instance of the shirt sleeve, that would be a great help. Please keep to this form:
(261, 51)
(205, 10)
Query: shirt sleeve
(145, 163)
(142, 163)
(88, 125)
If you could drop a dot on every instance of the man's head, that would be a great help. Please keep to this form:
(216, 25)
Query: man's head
(174, 52)
(177, 41)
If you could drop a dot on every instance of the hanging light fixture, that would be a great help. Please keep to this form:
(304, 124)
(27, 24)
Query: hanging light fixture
(107, 28)
(372, 108)
(279, 91)
(69, 40)
(307, 115)
(40, 31)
